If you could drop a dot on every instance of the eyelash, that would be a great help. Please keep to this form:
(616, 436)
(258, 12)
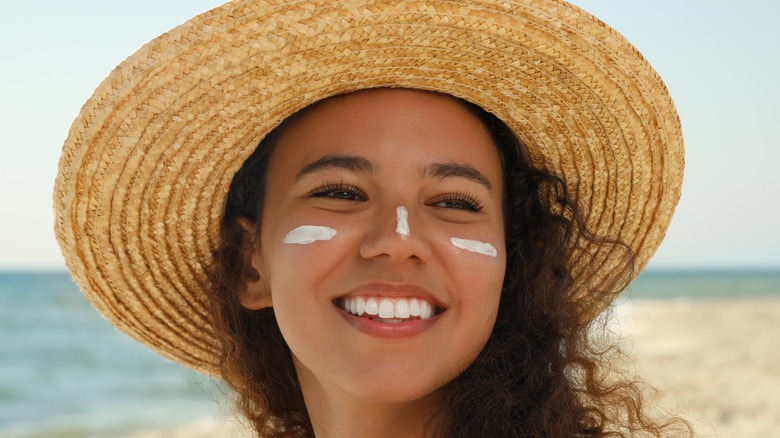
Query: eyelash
(468, 202)
(329, 189)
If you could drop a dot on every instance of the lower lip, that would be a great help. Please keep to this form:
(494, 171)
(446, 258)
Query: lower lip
(385, 330)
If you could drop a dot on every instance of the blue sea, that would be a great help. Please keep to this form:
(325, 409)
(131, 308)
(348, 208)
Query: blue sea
(66, 372)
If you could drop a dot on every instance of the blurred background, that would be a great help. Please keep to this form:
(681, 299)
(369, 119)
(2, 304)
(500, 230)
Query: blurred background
(700, 321)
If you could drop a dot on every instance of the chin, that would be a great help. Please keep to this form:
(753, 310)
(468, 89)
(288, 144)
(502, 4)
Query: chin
(395, 387)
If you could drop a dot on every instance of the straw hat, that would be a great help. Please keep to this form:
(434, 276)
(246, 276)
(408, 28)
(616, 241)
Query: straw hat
(146, 167)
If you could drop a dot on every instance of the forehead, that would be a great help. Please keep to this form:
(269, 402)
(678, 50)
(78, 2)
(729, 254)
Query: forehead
(389, 126)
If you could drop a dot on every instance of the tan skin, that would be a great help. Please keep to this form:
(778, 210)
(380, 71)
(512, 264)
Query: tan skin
(429, 154)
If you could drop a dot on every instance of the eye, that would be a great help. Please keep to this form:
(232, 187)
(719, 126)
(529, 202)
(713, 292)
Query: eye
(341, 191)
(457, 201)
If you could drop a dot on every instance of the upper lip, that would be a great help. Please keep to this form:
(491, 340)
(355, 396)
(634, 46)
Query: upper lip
(394, 290)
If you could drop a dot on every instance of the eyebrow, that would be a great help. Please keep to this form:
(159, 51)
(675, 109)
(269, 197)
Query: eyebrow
(356, 163)
(457, 170)
(348, 162)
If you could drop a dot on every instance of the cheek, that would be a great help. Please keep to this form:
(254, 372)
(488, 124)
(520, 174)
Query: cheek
(295, 261)
(295, 274)
(481, 256)
(298, 263)
(478, 286)
(478, 275)
(293, 253)
(481, 281)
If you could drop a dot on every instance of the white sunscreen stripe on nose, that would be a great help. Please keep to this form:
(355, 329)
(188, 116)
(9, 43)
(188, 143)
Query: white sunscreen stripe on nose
(306, 234)
(475, 246)
(402, 226)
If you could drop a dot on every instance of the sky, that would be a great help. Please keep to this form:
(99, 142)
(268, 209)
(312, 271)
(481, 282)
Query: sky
(718, 59)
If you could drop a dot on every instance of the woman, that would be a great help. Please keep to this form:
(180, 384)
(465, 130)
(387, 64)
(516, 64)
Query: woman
(443, 198)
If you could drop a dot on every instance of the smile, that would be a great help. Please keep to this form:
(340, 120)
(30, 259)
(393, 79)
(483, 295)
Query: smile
(388, 310)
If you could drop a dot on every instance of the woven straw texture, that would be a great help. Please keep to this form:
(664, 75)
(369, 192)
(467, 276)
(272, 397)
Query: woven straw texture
(145, 169)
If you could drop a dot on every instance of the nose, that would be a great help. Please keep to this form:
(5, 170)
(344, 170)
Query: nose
(396, 235)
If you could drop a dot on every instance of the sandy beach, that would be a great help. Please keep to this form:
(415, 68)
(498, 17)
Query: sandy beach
(714, 362)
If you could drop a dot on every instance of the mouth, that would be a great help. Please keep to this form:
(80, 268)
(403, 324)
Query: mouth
(388, 310)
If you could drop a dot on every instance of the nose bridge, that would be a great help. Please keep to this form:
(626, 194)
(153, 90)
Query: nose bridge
(402, 221)
(396, 232)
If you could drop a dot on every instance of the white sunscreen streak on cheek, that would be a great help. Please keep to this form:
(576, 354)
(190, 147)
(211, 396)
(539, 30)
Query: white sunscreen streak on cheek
(306, 234)
(402, 226)
(475, 246)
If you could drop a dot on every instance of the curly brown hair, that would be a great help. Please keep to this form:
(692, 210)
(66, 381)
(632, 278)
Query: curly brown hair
(540, 373)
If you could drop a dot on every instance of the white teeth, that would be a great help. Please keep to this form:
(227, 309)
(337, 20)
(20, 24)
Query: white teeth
(372, 307)
(360, 305)
(401, 309)
(414, 307)
(426, 310)
(386, 309)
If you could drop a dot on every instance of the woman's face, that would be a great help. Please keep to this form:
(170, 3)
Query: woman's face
(382, 243)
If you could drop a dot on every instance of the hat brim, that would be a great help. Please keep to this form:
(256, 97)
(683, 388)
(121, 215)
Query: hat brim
(146, 166)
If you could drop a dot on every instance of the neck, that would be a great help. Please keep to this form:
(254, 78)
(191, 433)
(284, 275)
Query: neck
(335, 414)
